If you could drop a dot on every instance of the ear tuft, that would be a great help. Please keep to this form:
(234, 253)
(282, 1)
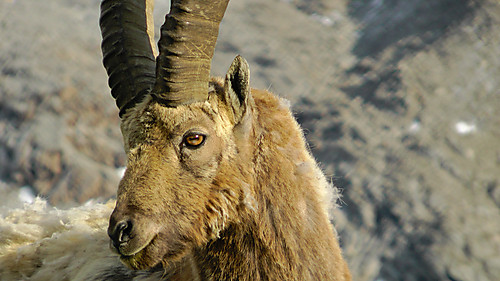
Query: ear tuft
(237, 87)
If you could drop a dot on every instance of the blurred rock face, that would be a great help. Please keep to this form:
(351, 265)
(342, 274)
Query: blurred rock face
(59, 132)
(398, 99)
(412, 140)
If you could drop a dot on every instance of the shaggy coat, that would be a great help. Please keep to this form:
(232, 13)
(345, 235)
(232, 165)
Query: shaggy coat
(247, 203)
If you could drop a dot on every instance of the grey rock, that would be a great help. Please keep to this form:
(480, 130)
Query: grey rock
(399, 101)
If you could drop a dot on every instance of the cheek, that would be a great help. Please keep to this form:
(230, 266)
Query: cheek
(204, 161)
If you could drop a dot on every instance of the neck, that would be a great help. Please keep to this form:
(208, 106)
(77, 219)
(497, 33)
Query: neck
(259, 251)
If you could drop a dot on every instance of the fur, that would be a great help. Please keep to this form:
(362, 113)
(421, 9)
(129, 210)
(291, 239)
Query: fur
(248, 204)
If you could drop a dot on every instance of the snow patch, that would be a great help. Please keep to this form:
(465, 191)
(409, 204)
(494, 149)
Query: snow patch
(121, 171)
(324, 20)
(414, 127)
(465, 128)
(26, 194)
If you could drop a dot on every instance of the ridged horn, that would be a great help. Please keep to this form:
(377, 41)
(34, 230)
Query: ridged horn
(186, 47)
(128, 52)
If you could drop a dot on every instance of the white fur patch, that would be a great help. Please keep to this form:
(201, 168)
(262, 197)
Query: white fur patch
(39, 242)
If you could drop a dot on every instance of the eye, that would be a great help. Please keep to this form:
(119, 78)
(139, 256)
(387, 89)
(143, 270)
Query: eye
(194, 140)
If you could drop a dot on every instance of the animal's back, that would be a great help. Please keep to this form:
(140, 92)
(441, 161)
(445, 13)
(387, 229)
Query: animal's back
(302, 201)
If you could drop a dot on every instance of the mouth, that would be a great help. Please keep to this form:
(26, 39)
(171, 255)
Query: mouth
(133, 261)
(138, 259)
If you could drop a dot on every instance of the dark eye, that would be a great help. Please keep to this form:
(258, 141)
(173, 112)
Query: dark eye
(194, 140)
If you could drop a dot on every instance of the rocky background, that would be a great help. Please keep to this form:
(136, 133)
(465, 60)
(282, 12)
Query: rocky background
(399, 101)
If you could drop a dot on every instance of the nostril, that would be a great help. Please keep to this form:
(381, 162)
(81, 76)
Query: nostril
(121, 232)
(124, 229)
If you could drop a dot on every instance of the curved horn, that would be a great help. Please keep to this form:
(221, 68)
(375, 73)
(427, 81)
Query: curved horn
(128, 52)
(186, 46)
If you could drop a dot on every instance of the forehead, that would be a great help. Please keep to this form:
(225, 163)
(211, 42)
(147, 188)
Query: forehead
(206, 116)
(174, 118)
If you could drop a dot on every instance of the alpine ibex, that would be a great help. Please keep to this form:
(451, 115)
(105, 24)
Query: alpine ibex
(219, 182)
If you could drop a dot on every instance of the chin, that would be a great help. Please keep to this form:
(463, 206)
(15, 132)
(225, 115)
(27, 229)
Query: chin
(153, 254)
(138, 261)
(146, 258)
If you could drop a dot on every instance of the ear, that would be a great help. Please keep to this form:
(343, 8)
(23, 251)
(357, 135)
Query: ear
(237, 87)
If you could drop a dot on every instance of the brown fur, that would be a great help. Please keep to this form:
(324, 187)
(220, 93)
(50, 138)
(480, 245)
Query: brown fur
(249, 204)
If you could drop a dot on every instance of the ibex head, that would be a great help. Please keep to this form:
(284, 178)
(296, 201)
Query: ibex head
(179, 128)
